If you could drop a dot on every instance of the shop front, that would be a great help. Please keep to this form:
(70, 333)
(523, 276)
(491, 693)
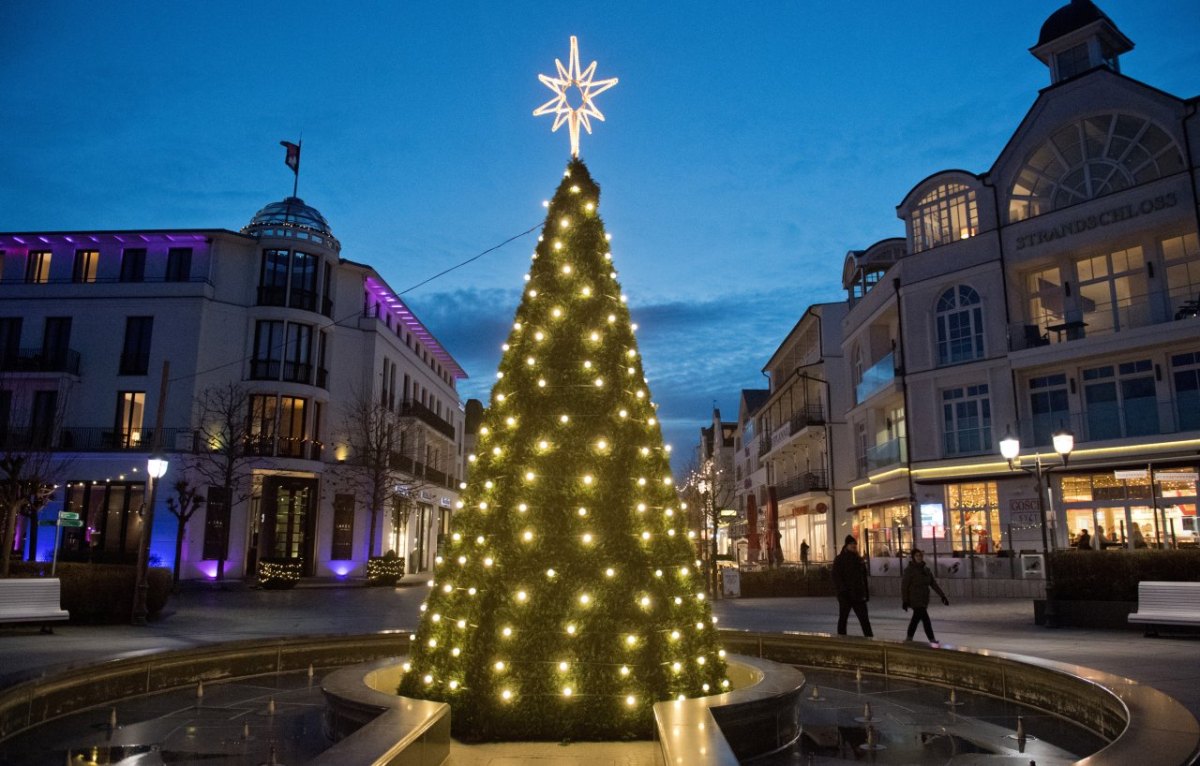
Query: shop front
(1149, 507)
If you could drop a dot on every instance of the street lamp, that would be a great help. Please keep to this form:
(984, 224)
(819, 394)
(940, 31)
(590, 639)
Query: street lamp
(1010, 449)
(156, 468)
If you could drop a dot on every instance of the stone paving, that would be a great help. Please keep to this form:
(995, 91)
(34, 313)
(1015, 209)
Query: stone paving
(203, 616)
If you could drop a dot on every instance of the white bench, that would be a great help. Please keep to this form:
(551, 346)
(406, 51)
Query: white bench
(35, 599)
(1167, 603)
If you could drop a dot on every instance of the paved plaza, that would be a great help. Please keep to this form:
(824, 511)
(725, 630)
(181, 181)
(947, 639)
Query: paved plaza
(204, 616)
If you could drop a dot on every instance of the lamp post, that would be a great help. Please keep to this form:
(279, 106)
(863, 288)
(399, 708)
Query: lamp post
(1010, 450)
(156, 468)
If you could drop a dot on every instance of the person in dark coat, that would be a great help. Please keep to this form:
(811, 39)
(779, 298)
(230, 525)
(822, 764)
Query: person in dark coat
(914, 594)
(1084, 543)
(850, 582)
(804, 552)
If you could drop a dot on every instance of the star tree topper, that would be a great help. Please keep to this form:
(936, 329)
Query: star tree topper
(560, 106)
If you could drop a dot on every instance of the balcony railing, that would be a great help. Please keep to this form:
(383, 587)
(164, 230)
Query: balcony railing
(39, 360)
(73, 439)
(813, 415)
(417, 469)
(878, 377)
(968, 441)
(268, 446)
(415, 409)
(809, 481)
(1084, 318)
(764, 444)
(1117, 420)
(889, 453)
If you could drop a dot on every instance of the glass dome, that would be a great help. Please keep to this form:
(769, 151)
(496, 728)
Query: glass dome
(290, 212)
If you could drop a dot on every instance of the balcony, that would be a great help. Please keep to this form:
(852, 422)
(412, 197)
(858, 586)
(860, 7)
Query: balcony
(886, 455)
(412, 408)
(419, 470)
(968, 441)
(283, 446)
(1085, 318)
(880, 375)
(73, 439)
(1128, 419)
(39, 360)
(809, 481)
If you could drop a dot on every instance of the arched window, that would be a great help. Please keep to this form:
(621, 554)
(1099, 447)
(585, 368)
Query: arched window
(959, 326)
(1091, 158)
(944, 215)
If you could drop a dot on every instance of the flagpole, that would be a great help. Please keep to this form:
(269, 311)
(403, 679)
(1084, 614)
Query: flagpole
(296, 175)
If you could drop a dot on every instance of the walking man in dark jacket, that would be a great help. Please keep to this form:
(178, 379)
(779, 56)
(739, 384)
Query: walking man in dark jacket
(914, 593)
(850, 582)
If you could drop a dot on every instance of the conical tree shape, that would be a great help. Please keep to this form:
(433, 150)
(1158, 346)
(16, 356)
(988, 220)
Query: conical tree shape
(568, 600)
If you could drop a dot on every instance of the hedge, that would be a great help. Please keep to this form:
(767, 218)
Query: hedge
(787, 581)
(101, 593)
(1114, 575)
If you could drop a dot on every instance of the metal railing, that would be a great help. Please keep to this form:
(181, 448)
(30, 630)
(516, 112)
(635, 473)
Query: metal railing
(878, 377)
(1084, 318)
(887, 454)
(39, 360)
(968, 441)
(809, 481)
(417, 469)
(413, 408)
(90, 439)
(1118, 420)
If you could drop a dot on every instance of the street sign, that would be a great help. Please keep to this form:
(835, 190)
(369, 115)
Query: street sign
(68, 515)
(70, 522)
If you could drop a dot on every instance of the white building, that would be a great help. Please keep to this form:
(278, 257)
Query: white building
(87, 320)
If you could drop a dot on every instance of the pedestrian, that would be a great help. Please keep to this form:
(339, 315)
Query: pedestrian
(776, 548)
(914, 594)
(804, 552)
(1084, 543)
(1139, 540)
(850, 581)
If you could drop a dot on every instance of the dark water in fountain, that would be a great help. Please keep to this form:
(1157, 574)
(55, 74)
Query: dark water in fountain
(913, 723)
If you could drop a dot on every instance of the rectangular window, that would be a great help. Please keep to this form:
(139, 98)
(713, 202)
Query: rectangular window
(297, 360)
(1049, 405)
(967, 420)
(974, 511)
(112, 522)
(133, 265)
(216, 525)
(272, 281)
(1073, 61)
(37, 267)
(44, 417)
(56, 343)
(86, 264)
(292, 432)
(1181, 257)
(1185, 373)
(10, 342)
(341, 545)
(327, 302)
(179, 264)
(268, 351)
(1113, 291)
(1046, 301)
(1120, 400)
(262, 424)
(131, 408)
(135, 353)
(304, 282)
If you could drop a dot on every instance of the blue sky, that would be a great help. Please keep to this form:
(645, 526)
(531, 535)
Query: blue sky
(748, 145)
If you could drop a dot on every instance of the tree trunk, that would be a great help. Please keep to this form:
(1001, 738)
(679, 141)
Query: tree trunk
(180, 531)
(371, 537)
(10, 529)
(33, 538)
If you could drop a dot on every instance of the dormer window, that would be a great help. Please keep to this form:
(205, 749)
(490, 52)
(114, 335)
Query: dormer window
(1073, 61)
(946, 214)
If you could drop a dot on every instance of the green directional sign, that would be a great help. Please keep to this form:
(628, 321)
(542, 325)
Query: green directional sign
(70, 522)
(68, 515)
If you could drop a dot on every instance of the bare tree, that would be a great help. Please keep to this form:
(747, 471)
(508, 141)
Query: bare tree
(707, 489)
(224, 454)
(382, 467)
(183, 506)
(30, 467)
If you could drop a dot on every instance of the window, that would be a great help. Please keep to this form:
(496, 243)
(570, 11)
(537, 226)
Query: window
(133, 265)
(262, 424)
(1181, 257)
(1120, 400)
(44, 418)
(304, 282)
(268, 350)
(179, 264)
(966, 420)
(946, 214)
(1112, 291)
(56, 343)
(297, 364)
(1049, 405)
(1073, 61)
(131, 408)
(37, 267)
(291, 426)
(974, 516)
(1047, 301)
(86, 263)
(1185, 373)
(959, 326)
(272, 281)
(341, 545)
(112, 523)
(10, 342)
(322, 351)
(1091, 158)
(135, 353)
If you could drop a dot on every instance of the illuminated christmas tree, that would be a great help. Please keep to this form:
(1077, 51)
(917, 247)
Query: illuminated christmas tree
(568, 600)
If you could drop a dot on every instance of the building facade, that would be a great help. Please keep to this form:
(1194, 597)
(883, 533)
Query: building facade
(279, 351)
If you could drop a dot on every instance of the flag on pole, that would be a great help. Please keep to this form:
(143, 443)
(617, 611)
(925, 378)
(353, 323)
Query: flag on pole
(293, 156)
